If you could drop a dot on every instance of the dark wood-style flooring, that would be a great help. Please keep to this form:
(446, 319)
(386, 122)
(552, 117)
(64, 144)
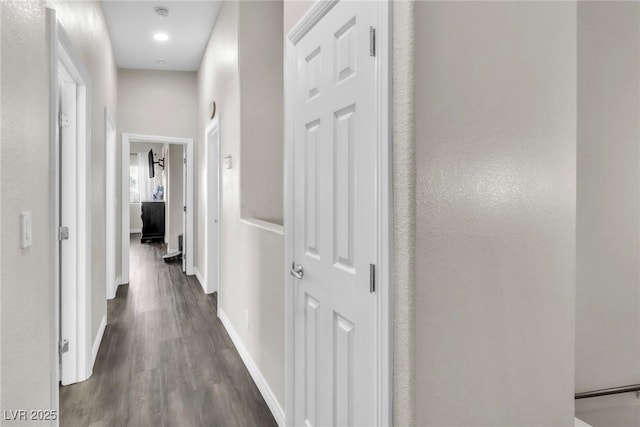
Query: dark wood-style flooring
(165, 359)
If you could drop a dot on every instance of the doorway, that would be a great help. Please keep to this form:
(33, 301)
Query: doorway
(187, 241)
(338, 232)
(70, 213)
(212, 250)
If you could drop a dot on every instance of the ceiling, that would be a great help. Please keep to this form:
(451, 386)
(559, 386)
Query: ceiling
(132, 25)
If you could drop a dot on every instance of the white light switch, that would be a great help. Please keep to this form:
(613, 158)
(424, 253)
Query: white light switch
(25, 229)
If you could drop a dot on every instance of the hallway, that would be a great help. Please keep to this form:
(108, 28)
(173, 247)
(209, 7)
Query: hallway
(165, 358)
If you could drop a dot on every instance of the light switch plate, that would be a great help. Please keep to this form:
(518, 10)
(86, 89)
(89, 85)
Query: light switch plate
(25, 229)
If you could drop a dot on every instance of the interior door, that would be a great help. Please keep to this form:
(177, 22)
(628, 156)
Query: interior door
(335, 234)
(213, 226)
(68, 221)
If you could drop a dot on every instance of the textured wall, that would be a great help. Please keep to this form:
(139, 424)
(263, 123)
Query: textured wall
(495, 212)
(26, 291)
(260, 63)
(26, 294)
(404, 180)
(608, 196)
(252, 259)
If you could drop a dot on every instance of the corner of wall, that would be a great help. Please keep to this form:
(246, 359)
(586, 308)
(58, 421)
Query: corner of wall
(404, 183)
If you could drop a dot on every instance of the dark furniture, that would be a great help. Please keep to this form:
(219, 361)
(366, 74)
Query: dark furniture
(152, 221)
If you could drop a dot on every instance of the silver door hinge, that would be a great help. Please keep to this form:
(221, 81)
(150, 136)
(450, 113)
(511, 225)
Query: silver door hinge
(63, 346)
(372, 278)
(63, 233)
(372, 41)
(63, 120)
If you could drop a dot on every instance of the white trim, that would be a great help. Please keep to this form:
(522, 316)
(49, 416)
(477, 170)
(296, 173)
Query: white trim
(200, 277)
(265, 225)
(110, 204)
(258, 378)
(313, 15)
(119, 282)
(214, 124)
(189, 235)
(135, 230)
(384, 196)
(384, 192)
(98, 340)
(170, 250)
(54, 210)
(63, 52)
(289, 302)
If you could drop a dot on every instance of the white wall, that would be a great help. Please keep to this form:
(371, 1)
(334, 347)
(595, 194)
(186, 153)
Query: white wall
(161, 103)
(293, 11)
(608, 195)
(260, 62)
(495, 206)
(25, 340)
(174, 192)
(260, 288)
(135, 209)
(26, 290)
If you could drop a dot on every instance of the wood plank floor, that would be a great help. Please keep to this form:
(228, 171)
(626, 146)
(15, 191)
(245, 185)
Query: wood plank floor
(165, 359)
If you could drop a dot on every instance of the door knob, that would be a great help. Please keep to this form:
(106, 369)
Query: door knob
(296, 270)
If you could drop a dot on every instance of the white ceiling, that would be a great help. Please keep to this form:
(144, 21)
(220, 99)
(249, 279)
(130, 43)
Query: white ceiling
(132, 25)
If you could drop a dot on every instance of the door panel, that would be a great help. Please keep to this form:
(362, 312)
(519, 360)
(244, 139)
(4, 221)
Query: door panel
(213, 226)
(335, 220)
(68, 218)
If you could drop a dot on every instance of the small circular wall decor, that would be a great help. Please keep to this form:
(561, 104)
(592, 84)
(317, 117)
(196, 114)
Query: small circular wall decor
(212, 109)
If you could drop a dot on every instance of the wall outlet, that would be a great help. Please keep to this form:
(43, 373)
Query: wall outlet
(247, 318)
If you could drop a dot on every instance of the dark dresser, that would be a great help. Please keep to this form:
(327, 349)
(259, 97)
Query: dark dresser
(152, 221)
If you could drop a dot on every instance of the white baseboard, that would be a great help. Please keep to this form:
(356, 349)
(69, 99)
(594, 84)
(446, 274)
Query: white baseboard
(96, 343)
(263, 386)
(117, 283)
(200, 278)
(135, 230)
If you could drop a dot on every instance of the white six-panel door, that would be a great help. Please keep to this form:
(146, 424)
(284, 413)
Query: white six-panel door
(335, 217)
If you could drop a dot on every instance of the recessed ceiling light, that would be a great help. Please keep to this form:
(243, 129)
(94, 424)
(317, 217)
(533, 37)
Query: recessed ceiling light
(161, 61)
(161, 37)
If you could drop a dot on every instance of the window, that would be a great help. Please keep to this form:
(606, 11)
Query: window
(134, 181)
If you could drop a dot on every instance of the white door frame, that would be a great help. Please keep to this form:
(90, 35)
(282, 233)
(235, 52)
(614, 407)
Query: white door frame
(62, 53)
(212, 285)
(111, 203)
(384, 196)
(127, 139)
